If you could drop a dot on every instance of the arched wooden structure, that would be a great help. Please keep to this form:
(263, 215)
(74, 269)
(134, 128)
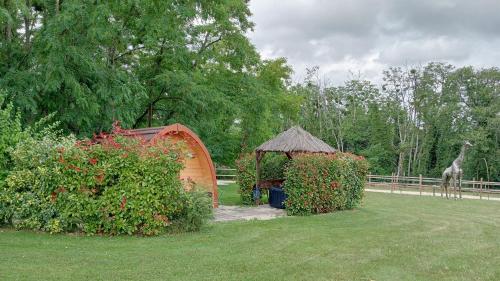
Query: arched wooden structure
(199, 167)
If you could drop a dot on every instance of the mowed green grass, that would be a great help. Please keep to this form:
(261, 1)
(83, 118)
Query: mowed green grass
(228, 194)
(390, 237)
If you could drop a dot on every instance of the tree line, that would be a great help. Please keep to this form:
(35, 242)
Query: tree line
(415, 122)
(151, 63)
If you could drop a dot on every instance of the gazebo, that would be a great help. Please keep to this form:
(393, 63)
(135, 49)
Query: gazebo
(292, 141)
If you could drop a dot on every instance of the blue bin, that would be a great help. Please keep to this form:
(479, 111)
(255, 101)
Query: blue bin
(277, 198)
(256, 194)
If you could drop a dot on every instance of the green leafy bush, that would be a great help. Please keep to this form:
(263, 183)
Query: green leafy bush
(272, 167)
(324, 183)
(118, 186)
(245, 177)
(12, 132)
(197, 209)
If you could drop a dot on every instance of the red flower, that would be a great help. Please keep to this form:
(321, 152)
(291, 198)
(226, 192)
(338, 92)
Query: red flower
(92, 161)
(124, 202)
(75, 168)
(99, 178)
(53, 197)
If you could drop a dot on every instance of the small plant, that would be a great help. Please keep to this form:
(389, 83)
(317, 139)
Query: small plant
(195, 212)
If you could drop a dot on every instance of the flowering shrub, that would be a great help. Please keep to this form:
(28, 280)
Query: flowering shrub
(324, 183)
(272, 167)
(117, 186)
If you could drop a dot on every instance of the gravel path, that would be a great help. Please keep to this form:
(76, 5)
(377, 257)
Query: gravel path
(262, 212)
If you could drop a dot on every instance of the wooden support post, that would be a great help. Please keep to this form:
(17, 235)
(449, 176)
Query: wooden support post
(434, 190)
(392, 182)
(369, 180)
(473, 186)
(420, 184)
(441, 186)
(257, 168)
(397, 182)
(481, 189)
(488, 191)
(258, 158)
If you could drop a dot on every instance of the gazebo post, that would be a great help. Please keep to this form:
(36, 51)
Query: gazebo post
(258, 158)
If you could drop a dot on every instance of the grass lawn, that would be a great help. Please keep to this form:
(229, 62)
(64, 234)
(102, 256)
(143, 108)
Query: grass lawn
(390, 237)
(228, 195)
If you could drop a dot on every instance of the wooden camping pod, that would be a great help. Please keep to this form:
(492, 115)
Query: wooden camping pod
(198, 167)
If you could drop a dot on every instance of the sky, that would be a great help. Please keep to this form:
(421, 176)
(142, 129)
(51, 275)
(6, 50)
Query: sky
(360, 38)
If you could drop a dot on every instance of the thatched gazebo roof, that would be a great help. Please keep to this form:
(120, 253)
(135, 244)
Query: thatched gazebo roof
(294, 140)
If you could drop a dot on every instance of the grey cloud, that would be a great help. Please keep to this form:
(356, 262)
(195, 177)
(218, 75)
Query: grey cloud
(425, 49)
(368, 36)
(479, 17)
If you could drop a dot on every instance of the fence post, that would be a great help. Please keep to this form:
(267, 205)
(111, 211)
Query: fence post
(369, 180)
(481, 189)
(473, 186)
(420, 184)
(397, 182)
(488, 190)
(392, 182)
(441, 186)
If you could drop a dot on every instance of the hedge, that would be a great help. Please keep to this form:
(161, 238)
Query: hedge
(118, 186)
(272, 167)
(316, 183)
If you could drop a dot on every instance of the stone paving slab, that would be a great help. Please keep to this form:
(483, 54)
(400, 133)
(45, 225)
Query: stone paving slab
(262, 212)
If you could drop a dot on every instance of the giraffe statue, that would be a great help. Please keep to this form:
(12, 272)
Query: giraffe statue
(454, 173)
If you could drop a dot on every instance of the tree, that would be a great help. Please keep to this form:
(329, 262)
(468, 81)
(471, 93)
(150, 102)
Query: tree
(145, 63)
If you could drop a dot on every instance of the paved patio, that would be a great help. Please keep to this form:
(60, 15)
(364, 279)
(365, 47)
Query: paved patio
(262, 212)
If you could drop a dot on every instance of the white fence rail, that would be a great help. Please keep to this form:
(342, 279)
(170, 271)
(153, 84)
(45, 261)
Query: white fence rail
(225, 174)
(396, 183)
